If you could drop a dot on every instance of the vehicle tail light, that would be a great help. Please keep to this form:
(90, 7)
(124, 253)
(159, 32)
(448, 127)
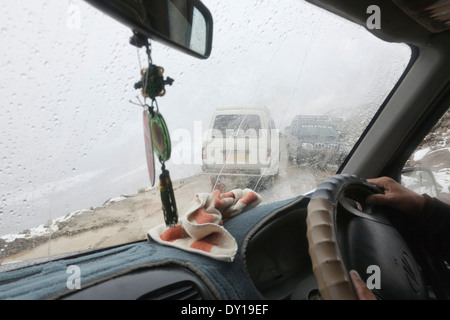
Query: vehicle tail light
(204, 153)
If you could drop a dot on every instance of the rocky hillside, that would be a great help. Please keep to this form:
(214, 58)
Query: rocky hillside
(434, 153)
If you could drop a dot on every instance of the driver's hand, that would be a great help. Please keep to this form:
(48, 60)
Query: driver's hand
(361, 289)
(396, 196)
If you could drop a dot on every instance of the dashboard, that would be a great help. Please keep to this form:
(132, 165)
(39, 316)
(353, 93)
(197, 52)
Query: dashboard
(276, 259)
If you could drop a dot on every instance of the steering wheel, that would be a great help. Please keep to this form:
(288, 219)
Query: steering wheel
(345, 233)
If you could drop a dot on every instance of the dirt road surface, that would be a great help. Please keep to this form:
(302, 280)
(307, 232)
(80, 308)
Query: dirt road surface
(128, 218)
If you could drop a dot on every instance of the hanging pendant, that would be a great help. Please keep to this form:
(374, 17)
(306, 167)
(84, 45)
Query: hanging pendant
(160, 137)
(157, 139)
(152, 83)
(168, 199)
(149, 147)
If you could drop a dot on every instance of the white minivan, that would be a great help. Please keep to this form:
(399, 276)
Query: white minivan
(241, 142)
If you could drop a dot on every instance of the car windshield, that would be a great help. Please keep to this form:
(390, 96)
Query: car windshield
(73, 172)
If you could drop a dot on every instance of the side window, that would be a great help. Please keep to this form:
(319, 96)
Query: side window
(428, 168)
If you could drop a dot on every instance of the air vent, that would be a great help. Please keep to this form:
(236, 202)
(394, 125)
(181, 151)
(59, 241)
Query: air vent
(184, 290)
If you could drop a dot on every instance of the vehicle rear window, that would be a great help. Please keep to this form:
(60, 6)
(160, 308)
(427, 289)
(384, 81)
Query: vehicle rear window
(224, 122)
(317, 130)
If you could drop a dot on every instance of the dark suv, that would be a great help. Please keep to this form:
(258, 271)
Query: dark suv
(314, 140)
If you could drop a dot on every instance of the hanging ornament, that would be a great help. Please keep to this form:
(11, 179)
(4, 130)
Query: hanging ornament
(150, 155)
(157, 138)
(152, 82)
(160, 137)
(168, 199)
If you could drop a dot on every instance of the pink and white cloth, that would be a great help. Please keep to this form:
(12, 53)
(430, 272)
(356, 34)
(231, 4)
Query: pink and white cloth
(201, 230)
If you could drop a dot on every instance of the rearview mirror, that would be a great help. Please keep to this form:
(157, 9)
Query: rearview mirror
(182, 24)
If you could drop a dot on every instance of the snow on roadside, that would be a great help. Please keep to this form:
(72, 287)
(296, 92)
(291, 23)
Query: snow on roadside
(420, 154)
(52, 225)
(443, 180)
(49, 227)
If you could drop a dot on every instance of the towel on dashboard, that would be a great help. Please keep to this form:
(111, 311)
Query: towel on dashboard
(201, 229)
